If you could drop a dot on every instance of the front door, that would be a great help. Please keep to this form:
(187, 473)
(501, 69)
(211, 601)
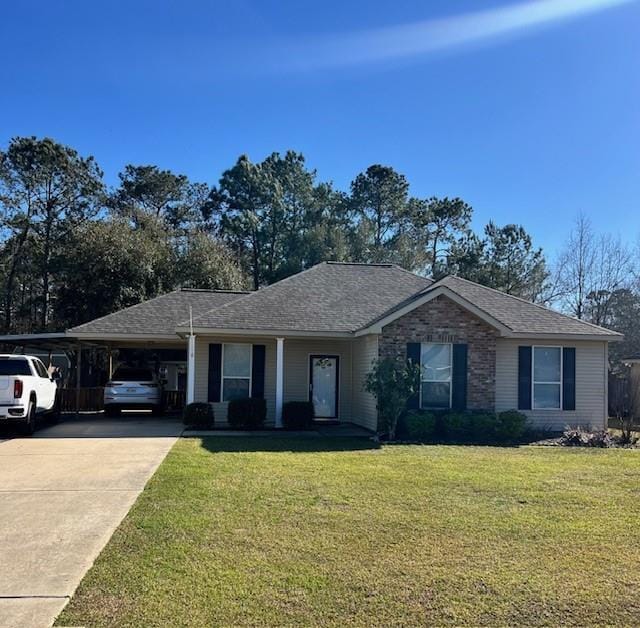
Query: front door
(323, 385)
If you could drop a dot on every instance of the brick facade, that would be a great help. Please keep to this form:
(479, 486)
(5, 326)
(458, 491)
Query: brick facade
(443, 320)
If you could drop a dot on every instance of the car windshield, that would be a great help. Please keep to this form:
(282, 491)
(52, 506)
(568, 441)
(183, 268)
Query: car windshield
(14, 366)
(132, 375)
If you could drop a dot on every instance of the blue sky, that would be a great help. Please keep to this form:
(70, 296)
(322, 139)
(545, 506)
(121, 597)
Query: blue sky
(528, 111)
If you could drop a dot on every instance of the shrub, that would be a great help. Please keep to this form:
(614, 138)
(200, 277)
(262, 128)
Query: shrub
(511, 426)
(392, 381)
(457, 427)
(248, 413)
(198, 416)
(420, 425)
(484, 428)
(297, 415)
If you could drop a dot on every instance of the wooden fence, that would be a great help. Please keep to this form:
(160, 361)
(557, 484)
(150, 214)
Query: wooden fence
(173, 400)
(92, 399)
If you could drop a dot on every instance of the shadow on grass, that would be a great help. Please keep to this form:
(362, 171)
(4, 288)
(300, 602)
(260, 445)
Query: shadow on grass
(304, 444)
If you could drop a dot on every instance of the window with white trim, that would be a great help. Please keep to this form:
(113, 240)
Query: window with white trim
(236, 371)
(436, 370)
(547, 378)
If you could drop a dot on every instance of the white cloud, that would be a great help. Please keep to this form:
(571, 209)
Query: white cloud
(421, 38)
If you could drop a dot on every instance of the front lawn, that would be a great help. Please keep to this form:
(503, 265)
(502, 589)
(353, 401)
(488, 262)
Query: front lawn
(260, 531)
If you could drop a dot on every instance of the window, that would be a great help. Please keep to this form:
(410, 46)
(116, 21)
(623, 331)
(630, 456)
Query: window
(40, 369)
(14, 366)
(236, 371)
(127, 374)
(547, 378)
(435, 385)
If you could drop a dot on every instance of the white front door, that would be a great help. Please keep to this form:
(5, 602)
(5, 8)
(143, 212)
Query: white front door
(323, 385)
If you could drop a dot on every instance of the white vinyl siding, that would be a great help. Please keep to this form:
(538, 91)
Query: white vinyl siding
(591, 384)
(202, 373)
(297, 352)
(296, 371)
(365, 351)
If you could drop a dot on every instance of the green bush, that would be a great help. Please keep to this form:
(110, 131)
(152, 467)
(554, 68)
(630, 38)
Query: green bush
(478, 427)
(198, 416)
(511, 426)
(297, 415)
(457, 427)
(420, 425)
(248, 413)
(392, 381)
(484, 427)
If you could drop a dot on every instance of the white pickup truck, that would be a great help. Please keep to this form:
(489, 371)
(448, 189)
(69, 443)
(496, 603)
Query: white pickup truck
(27, 392)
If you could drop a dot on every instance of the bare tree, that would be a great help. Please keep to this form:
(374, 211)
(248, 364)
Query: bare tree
(590, 270)
(575, 266)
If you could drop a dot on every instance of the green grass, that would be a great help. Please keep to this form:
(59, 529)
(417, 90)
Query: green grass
(256, 531)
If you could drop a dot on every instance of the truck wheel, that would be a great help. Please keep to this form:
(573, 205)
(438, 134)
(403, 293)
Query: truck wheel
(29, 426)
(111, 411)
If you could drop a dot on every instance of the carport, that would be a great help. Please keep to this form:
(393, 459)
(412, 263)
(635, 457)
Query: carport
(76, 394)
(149, 326)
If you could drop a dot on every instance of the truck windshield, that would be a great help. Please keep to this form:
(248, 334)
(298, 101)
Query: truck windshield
(132, 375)
(14, 366)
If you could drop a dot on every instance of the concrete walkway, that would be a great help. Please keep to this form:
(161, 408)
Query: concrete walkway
(62, 495)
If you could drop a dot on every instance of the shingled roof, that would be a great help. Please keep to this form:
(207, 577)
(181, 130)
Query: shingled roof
(517, 315)
(333, 298)
(159, 316)
(329, 297)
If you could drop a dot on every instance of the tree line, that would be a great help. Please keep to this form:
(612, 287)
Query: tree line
(72, 249)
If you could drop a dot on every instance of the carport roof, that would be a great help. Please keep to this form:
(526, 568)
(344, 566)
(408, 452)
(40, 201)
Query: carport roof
(159, 316)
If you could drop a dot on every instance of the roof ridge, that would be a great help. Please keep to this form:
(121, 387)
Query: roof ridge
(211, 290)
(260, 290)
(382, 265)
(338, 263)
(126, 309)
(522, 300)
(410, 272)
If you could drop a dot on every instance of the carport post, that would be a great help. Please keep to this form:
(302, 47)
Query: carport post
(191, 368)
(279, 380)
(78, 378)
(110, 360)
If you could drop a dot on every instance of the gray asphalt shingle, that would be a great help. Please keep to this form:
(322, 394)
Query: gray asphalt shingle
(518, 315)
(330, 297)
(160, 315)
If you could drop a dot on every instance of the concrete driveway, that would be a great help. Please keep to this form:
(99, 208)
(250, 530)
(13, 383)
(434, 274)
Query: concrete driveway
(62, 494)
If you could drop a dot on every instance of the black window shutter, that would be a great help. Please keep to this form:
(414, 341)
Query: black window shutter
(568, 378)
(459, 378)
(257, 371)
(413, 355)
(215, 372)
(524, 378)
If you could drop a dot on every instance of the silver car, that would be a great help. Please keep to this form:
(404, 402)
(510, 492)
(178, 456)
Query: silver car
(132, 389)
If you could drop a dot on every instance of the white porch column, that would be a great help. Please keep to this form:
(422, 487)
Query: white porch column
(279, 380)
(191, 369)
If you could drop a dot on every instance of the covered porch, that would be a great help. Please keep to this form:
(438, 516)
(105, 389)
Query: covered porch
(328, 371)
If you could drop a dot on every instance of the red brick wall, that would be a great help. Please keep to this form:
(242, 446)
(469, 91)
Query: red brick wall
(443, 320)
